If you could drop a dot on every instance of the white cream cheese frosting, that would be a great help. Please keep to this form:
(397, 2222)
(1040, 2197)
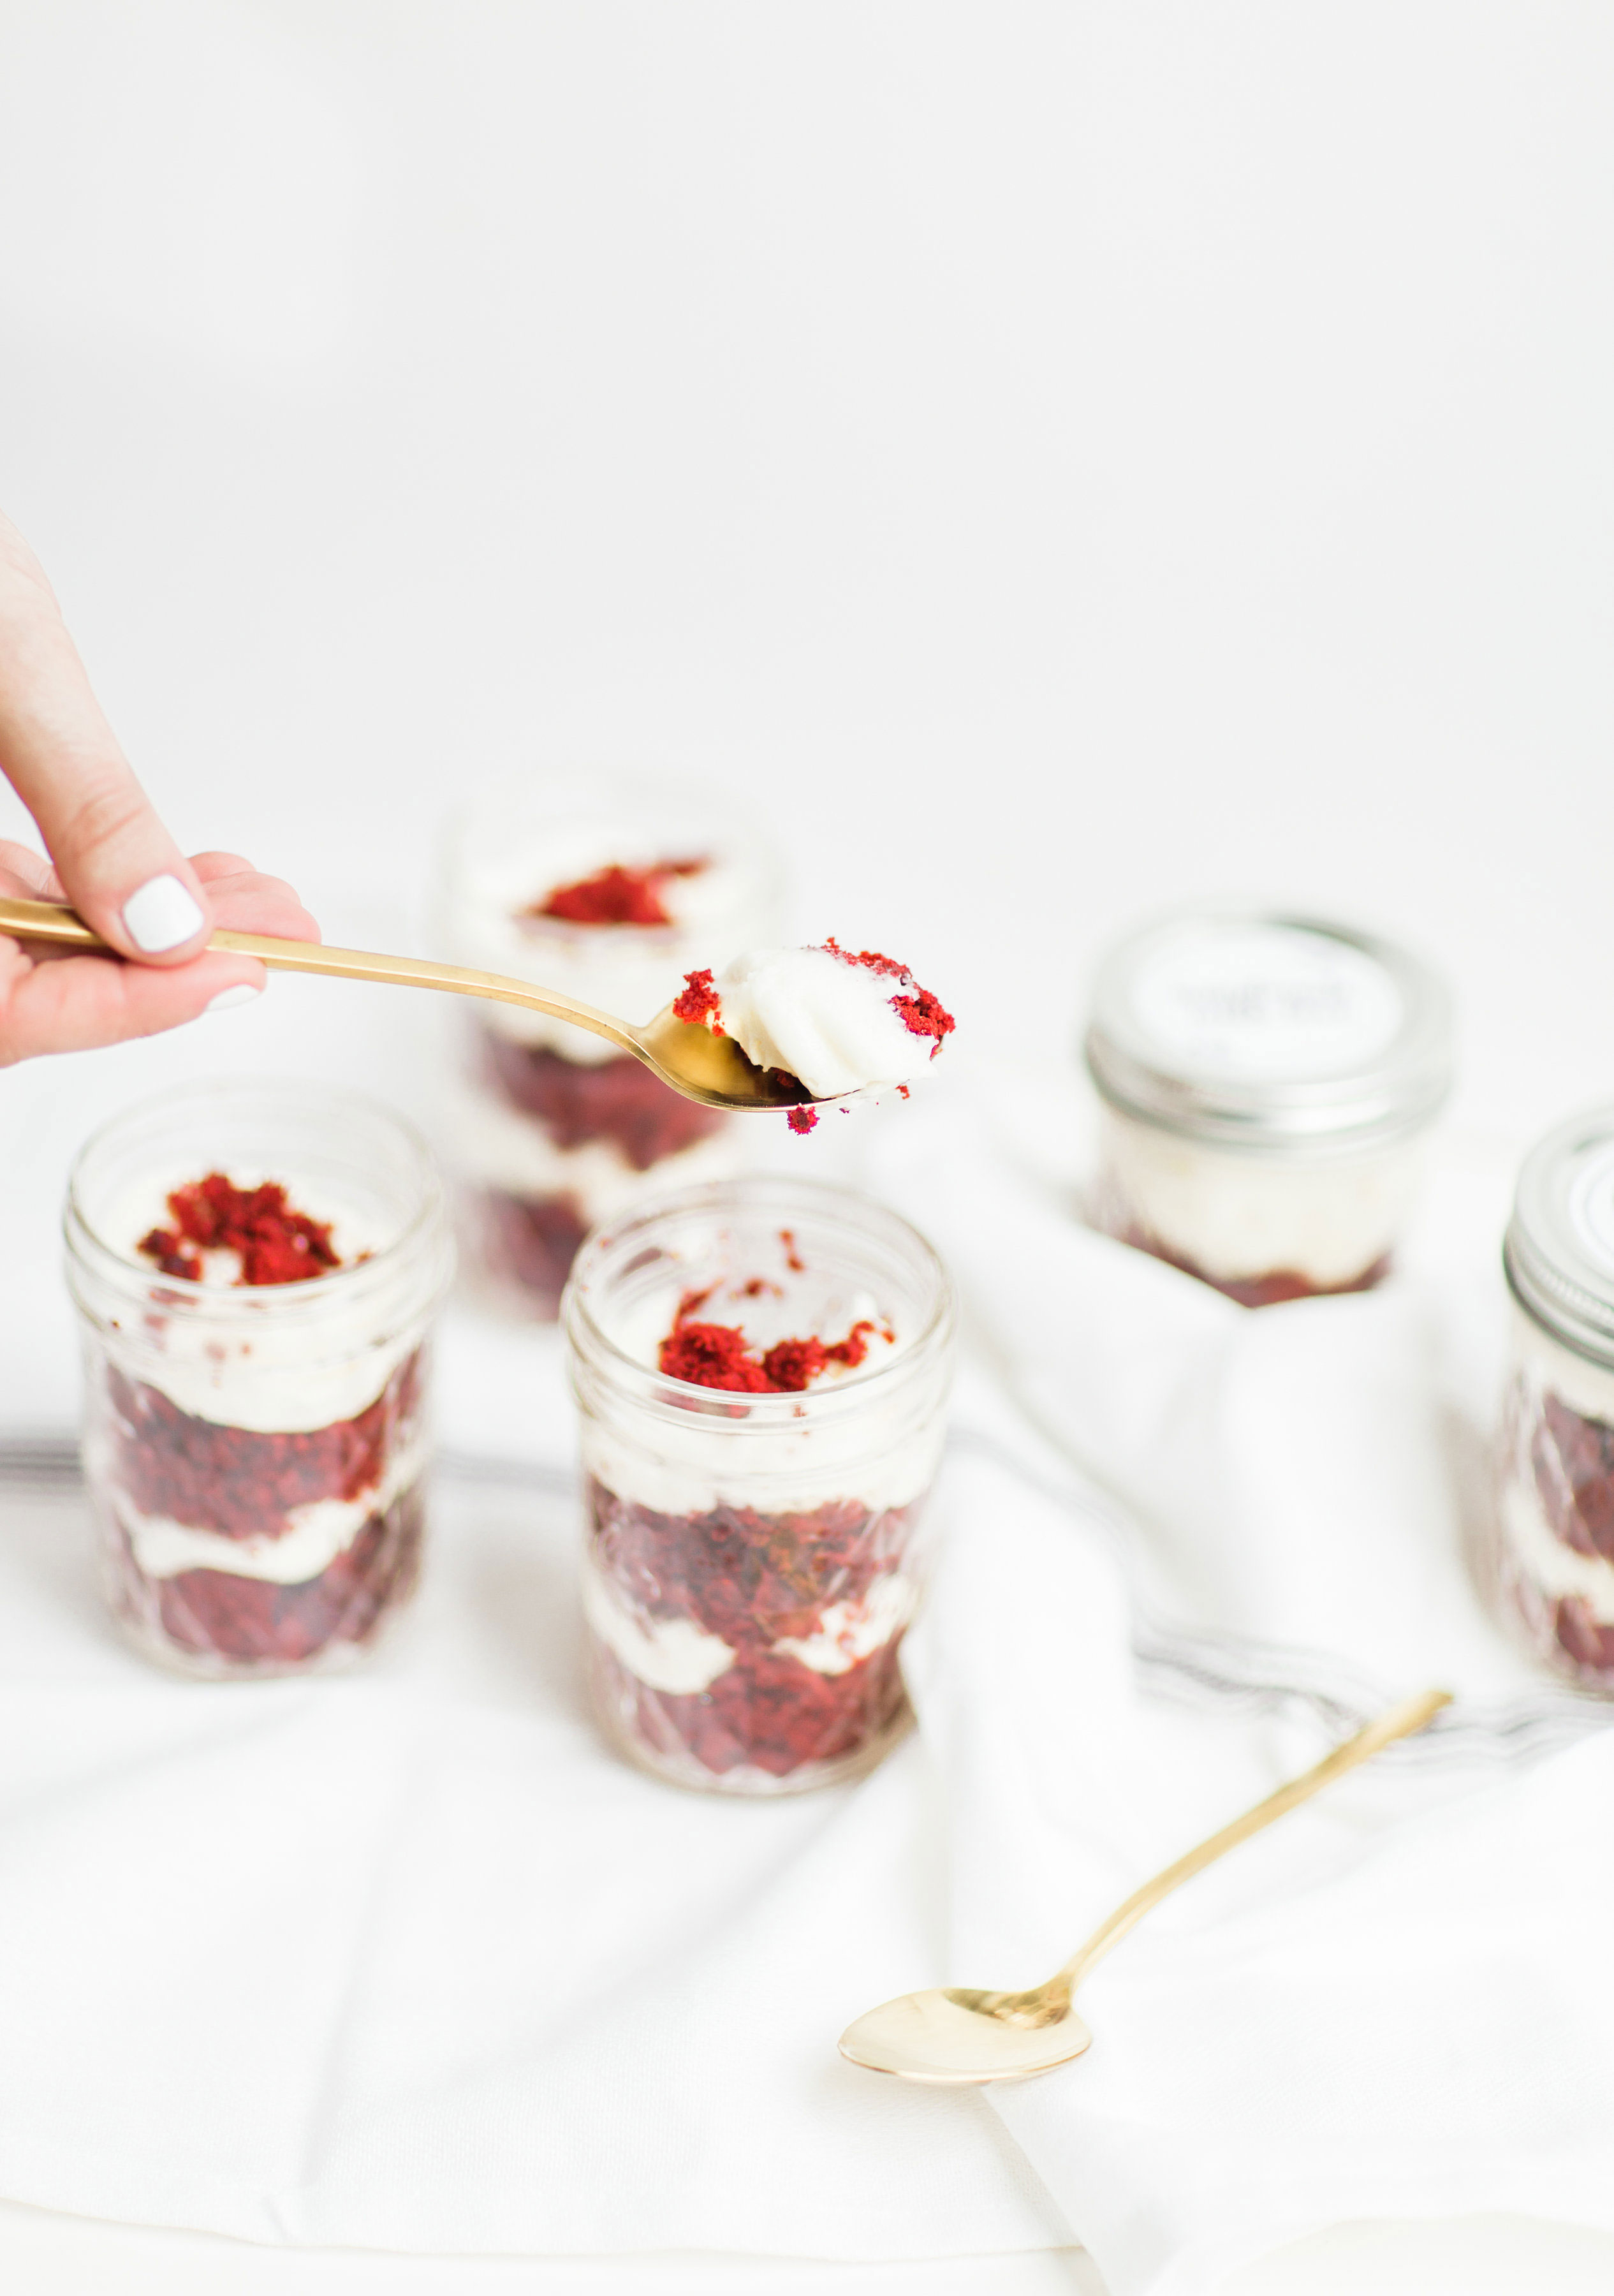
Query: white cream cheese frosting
(680, 1658)
(850, 1632)
(1537, 1552)
(673, 1655)
(319, 1359)
(824, 1017)
(1239, 1217)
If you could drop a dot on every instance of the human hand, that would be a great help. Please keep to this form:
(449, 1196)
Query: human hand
(115, 863)
(54, 1001)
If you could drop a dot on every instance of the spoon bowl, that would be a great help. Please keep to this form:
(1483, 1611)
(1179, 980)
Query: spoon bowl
(947, 2038)
(691, 1059)
(955, 2037)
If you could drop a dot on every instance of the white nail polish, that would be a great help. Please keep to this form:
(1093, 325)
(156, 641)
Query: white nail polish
(160, 915)
(227, 999)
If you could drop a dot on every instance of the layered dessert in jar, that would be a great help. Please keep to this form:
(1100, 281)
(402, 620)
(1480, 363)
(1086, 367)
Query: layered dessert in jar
(1266, 1084)
(1553, 1563)
(256, 1268)
(762, 1371)
(612, 898)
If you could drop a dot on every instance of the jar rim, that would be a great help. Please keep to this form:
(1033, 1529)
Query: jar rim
(1387, 1084)
(782, 1195)
(1558, 1253)
(383, 1267)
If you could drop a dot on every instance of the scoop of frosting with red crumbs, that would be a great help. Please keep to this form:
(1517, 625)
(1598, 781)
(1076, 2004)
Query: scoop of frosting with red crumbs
(843, 1021)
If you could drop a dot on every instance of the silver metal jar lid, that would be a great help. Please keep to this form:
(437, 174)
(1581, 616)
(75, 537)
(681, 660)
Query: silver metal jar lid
(1559, 1253)
(1253, 1029)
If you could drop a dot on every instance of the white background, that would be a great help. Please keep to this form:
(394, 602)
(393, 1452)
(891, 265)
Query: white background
(1048, 459)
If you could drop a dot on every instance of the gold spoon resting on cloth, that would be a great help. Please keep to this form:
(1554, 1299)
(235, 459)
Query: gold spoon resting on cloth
(702, 1066)
(953, 2038)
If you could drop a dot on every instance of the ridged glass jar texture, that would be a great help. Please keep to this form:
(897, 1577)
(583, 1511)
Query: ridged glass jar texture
(753, 1560)
(254, 1455)
(1266, 1081)
(1553, 1575)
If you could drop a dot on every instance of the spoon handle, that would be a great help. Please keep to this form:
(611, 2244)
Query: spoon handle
(44, 920)
(1400, 1722)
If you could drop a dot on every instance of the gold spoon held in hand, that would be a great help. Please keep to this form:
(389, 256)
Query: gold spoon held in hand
(953, 2038)
(690, 1058)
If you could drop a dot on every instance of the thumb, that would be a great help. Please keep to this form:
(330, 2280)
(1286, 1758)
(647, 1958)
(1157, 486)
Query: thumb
(119, 867)
(122, 870)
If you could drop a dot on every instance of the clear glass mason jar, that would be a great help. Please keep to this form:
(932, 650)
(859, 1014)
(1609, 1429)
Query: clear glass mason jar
(549, 1129)
(753, 1559)
(254, 1453)
(1266, 1081)
(1554, 1575)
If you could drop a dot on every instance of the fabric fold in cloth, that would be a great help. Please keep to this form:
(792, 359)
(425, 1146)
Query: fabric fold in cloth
(407, 1960)
(1384, 2006)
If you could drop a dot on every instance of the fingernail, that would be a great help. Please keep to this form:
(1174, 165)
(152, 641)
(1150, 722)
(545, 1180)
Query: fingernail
(160, 915)
(227, 999)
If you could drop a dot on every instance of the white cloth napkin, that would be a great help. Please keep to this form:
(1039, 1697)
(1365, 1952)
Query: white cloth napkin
(1392, 2004)
(409, 1961)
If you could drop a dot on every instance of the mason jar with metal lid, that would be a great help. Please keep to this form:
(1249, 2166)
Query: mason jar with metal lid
(1554, 1557)
(1266, 1082)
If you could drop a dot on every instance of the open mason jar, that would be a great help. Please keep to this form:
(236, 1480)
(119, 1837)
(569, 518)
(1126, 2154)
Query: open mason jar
(1266, 1081)
(1555, 1560)
(254, 1449)
(610, 894)
(754, 1556)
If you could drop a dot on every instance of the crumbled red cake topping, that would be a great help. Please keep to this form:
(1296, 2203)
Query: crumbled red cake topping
(275, 1244)
(921, 1012)
(870, 959)
(793, 1365)
(923, 1015)
(792, 1258)
(718, 1355)
(714, 1354)
(616, 896)
(699, 1001)
(802, 1119)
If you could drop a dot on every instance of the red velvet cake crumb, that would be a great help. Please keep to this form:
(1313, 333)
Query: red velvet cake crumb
(275, 1244)
(245, 1483)
(617, 1100)
(717, 1355)
(921, 1013)
(755, 1580)
(713, 1354)
(616, 896)
(802, 1119)
(792, 1364)
(699, 1001)
(869, 958)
